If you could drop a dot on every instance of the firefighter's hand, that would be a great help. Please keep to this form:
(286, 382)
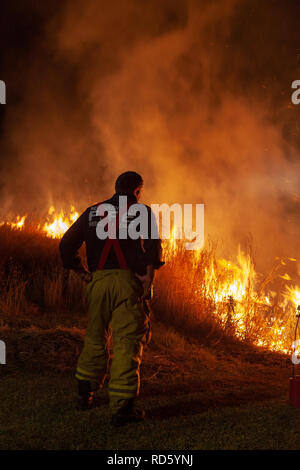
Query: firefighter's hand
(84, 275)
(146, 280)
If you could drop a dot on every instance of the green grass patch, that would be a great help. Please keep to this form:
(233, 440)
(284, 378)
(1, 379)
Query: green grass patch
(37, 412)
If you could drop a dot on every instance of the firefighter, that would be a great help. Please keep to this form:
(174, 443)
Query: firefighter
(119, 278)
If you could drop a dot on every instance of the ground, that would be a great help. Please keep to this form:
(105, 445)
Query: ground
(225, 396)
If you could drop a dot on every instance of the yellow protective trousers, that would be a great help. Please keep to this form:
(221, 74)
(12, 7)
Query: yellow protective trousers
(113, 300)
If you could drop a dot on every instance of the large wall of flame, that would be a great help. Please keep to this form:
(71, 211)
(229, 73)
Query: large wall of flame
(193, 94)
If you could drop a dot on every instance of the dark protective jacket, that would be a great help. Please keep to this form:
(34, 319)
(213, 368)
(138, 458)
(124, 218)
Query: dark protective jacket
(137, 253)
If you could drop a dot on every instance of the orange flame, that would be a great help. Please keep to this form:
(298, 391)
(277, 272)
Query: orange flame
(60, 222)
(18, 224)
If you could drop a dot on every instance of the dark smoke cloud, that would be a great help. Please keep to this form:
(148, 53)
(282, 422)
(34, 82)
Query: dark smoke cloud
(194, 95)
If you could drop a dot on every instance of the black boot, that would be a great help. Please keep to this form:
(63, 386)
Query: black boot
(85, 399)
(127, 414)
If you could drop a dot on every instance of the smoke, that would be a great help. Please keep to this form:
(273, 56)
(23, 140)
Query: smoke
(193, 95)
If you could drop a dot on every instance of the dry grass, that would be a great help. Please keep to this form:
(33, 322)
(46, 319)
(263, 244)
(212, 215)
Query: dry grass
(171, 363)
(34, 285)
(32, 278)
(184, 299)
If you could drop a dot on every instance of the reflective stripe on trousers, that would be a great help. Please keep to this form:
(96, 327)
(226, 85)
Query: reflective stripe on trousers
(112, 298)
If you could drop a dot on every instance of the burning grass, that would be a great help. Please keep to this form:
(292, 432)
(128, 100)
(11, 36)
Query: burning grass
(206, 297)
(214, 297)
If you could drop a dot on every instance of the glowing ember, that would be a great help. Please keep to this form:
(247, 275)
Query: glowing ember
(286, 277)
